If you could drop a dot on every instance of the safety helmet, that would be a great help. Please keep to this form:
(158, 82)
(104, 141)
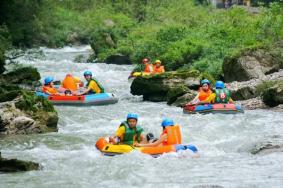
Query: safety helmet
(167, 122)
(205, 81)
(145, 60)
(219, 85)
(48, 80)
(132, 116)
(157, 61)
(87, 73)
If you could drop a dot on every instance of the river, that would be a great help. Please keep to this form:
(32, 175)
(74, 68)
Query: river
(70, 159)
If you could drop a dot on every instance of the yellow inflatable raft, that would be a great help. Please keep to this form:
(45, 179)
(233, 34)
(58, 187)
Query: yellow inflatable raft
(110, 149)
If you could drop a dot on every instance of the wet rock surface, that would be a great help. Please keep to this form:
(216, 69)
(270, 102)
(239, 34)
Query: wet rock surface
(253, 64)
(165, 87)
(118, 60)
(15, 165)
(21, 112)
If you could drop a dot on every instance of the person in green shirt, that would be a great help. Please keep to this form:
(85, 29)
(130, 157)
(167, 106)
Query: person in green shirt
(220, 95)
(129, 132)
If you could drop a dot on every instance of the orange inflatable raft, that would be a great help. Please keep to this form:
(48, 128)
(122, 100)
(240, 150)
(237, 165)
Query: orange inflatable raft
(109, 149)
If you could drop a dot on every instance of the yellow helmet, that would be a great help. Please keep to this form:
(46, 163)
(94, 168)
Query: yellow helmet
(157, 61)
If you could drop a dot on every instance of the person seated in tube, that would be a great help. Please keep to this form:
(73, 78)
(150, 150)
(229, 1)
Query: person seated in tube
(167, 124)
(129, 132)
(92, 86)
(144, 67)
(203, 93)
(71, 84)
(158, 68)
(220, 95)
(49, 88)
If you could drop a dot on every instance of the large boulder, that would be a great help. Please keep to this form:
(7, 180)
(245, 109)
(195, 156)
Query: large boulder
(21, 112)
(15, 165)
(184, 99)
(252, 88)
(251, 104)
(27, 114)
(273, 94)
(23, 75)
(118, 59)
(165, 87)
(253, 64)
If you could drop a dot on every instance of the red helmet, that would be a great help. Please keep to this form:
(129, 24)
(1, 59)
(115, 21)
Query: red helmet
(145, 60)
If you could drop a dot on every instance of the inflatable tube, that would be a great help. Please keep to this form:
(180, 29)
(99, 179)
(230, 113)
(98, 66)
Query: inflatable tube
(92, 99)
(138, 74)
(109, 149)
(213, 108)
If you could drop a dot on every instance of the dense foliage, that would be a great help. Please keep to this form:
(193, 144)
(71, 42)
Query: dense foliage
(182, 34)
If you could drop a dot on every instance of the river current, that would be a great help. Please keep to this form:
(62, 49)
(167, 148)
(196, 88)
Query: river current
(70, 159)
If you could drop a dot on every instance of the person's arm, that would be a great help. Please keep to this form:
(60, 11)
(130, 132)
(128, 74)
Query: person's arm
(195, 100)
(118, 135)
(231, 101)
(92, 86)
(156, 143)
(85, 91)
(210, 99)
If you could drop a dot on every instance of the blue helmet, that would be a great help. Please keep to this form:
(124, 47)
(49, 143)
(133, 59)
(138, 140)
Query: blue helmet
(205, 81)
(132, 116)
(48, 80)
(219, 85)
(87, 73)
(167, 122)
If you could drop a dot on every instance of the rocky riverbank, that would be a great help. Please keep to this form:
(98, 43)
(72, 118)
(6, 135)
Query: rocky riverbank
(21, 112)
(255, 78)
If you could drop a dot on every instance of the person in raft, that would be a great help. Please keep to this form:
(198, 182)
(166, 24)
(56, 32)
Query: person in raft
(221, 94)
(48, 87)
(171, 134)
(158, 68)
(71, 84)
(144, 67)
(92, 86)
(203, 93)
(129, 132)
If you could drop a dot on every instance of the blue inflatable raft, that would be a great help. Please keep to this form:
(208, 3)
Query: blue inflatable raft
(92, 99)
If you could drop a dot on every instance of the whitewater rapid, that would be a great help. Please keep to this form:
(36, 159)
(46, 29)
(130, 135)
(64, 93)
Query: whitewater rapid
(69, 157)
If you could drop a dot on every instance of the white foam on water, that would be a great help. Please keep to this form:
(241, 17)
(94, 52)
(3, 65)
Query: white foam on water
(69, 158)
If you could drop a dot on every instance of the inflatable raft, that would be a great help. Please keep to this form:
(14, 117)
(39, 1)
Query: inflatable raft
(92, 99)
(109, 149)
(138, 74)
(213, 108)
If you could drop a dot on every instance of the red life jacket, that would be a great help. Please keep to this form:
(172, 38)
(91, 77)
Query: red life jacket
(203, 95)
(50, 90)
(148, 68)
(159, 69)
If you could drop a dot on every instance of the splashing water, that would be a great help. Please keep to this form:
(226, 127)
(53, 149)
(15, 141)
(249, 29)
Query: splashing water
(69, 158)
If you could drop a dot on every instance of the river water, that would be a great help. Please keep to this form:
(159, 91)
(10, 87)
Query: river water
(69, 157)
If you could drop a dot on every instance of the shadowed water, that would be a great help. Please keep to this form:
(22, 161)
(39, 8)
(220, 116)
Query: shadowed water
(69, 158)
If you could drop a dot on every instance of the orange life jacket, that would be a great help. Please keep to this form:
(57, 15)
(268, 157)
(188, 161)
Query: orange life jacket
(174, 135)
(159, 69)
(50, 90)
(148, 68)
(70, 83)
(203, 95)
